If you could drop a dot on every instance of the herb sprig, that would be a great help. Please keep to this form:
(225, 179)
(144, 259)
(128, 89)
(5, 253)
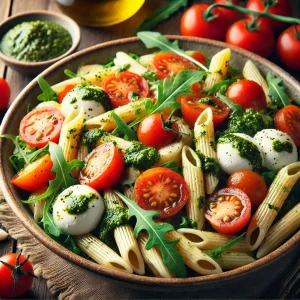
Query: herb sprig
(48, 93)
(277, 91)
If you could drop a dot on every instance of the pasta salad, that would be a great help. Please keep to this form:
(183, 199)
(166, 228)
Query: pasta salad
(169, 164)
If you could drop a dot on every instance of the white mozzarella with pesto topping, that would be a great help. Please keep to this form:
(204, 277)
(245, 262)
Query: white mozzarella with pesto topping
(278, 148)
(67, 207)
(229, 157)
(88, 97)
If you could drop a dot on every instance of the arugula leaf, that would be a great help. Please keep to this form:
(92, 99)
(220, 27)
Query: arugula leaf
(277, 91)
(224, 84)
(157, 235)
(151, 77)
(173, 166)
(162, 14)
(130, 135)
(216, 253)
(48, 94)
(70, 74)
(168, 90)
(157, 40)
(233, 72)
(234, 107)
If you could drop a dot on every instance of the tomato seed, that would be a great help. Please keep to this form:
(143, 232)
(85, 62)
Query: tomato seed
(147, 195)
(174, 186)
(227, 219)
(173, 195)
(168, 180)
(150, 183)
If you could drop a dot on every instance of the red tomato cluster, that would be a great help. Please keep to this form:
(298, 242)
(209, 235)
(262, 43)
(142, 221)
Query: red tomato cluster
(256, 36)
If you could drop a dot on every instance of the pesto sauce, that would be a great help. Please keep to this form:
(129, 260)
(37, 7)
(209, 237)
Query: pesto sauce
(245, 148)
(79, 203)
(208, 101)
(279, 146)
(36, 41)
(91, 137)
(200, 202)
(209, 164)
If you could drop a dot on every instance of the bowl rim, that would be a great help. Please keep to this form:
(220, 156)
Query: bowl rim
(75, 41)
(180, 283)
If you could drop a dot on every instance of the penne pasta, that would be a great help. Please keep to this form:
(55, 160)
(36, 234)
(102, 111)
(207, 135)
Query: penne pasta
(280, 231)
(193, 175)
(128, 192)
(168, 153)
(204, 137)
(37, 207)
(89, 70)
(122, 59)
(268, 209)
(101, 253)
(185, 133)
(82, 152)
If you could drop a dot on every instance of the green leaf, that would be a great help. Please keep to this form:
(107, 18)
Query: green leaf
(48, 94)
(173, 166)
(220, 85)
(216, 253)
(157, 40)
(233, 72)
(234, 107)
(277, 91)
(70, 74)
(151, 77)
(169, 89)
(157, 235)
(129, 134)
(162, 14)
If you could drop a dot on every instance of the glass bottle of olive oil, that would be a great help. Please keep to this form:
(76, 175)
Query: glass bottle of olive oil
(100, 13)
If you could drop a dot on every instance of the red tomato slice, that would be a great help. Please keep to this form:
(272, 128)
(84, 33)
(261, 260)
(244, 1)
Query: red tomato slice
(151, 132)
(120, 85)
(4, 93)
(104, 167)
(228, 211)
(35, 175)
(161, 189)
(40, 126)
(248, 94)
(164, 63)
(192, 107)
(288, 120)
(64, 92)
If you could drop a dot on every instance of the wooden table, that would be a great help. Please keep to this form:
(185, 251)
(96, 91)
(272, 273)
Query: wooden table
(89, 37)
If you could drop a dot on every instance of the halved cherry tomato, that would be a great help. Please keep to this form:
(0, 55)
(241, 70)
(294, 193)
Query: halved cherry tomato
(151, 132)
(103, 168)
(230, 16)
(165, 63)
(193, 105)
(64, 92)
(4, 93)
(288, 120)
(120, 85)
(228, 211)
(35, 175)
(161, 189)
(251, 183)
(248, 94)
(40, 126)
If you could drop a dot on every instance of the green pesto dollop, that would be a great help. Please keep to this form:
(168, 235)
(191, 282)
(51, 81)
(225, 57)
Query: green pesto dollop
(79, 203)
(245, 148)
(279, 146)
(209, 164)
(36, 41)
(91, 137)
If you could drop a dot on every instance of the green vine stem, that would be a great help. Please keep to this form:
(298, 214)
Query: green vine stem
(297, 33)
(208, 13)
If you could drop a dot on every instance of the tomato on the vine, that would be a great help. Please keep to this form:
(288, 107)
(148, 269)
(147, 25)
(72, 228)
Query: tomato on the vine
(4, 93)
(228, 211)
(247, 93)
(119, 86)
(288, 120)
(10, 265)
(193, 105)
(193, 24)
(64, 92)
(161, 189)
(250, 183)
(230, 16)
(257, 38)
(103, 168)
(288, 47)
(281, 7)
(157, 131)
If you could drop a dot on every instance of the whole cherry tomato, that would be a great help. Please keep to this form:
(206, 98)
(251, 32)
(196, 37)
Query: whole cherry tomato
(193, 23)
(4, 93)
(282, 7)
(288, 47)
(230, 16)
(257, 38)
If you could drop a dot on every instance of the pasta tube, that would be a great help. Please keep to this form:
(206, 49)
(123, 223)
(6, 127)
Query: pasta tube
(124, 237)
(193, 176)
(204, 137)
(101, 253)
(168, 153)
(206, 240)
(268, 209)
(37, 207)
(280, 231)
(122, 59)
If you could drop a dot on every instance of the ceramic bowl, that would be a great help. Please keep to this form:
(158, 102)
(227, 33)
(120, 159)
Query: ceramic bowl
(102, 54)
(34, 68)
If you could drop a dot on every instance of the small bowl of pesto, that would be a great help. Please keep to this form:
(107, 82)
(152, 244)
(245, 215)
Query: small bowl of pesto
(32, 41)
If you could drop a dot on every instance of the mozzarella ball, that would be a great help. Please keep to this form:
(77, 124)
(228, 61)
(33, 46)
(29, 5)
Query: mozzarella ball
(278, 148)
(237, 151)
(91, 98)
(78, 209)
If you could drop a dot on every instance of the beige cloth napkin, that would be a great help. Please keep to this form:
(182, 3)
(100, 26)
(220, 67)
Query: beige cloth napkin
(69, 281)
